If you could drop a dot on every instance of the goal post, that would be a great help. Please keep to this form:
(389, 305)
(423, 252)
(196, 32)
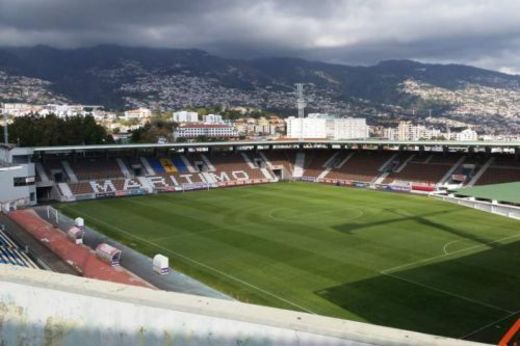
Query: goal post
(53, 214)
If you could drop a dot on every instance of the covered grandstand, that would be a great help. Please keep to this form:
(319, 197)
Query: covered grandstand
(507, 193)
(70, 173)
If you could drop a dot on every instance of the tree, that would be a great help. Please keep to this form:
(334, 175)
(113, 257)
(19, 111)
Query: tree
(34, 130)
(152, 131)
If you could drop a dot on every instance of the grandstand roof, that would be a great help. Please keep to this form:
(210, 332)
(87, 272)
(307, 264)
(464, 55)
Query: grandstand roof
(367, 142)
(507, 192)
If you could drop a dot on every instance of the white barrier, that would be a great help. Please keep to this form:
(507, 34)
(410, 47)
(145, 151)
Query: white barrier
(79, 311)
(494, 208)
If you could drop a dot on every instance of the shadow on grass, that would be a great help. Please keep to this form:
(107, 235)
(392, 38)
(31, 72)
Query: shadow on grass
(451, 298)
(422, 219)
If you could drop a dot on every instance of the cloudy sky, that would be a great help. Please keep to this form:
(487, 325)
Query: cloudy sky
(484, 33)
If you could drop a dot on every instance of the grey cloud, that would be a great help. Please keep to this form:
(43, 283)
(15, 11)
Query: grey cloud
(482, 32)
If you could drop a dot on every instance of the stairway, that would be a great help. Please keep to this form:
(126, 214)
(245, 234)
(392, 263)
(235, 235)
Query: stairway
(66, 191)
(123, 168)
(69, 171)
(401, 167)
(298, 165)
(208, 163)
(381, 178)
(481, 171)
(188, 165)
(267, 174)
(387, 162)
(149, 170)
(451, 170)
(342, 163)
(248, 160)
(41, 172)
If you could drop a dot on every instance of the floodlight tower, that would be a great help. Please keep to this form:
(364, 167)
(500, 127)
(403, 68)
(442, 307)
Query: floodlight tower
(300, 104)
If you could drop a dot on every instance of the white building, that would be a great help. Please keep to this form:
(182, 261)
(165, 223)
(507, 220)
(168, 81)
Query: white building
(350, 128)
(205, 130)
(212, 119)
(306, 127)
(185, 117)
(467, 135)
(139, 113)
(60, 110)
(406, 131)
(20, 109)
(319, 125)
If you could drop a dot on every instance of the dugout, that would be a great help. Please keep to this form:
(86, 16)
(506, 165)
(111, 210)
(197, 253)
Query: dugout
(75, 234)
(108, 254)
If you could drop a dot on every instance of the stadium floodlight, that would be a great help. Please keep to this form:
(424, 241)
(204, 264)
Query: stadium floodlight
(300, 104)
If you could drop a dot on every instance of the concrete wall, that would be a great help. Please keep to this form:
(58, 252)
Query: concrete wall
(11, 193)
(39, 307)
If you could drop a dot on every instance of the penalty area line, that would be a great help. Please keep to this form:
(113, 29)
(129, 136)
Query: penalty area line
(229, 276)
(478, 330)
(433, 258)
(471, 300)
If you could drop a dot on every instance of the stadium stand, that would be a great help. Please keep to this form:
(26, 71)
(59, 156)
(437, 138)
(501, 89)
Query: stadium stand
(502, 170)
(11, 254)
(281, 159)
(234, 162)
(124, 174)
(180, 164)
(420, 168)
(54, 170)
(361, 166)
(316, 162)
(91, 169)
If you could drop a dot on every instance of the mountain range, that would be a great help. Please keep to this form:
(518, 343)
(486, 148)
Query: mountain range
(123, 77)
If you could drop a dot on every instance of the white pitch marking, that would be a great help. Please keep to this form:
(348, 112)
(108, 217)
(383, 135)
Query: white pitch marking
(429, 259)
(205, 266)
(445, 248)
(491, 306)
(489, 325)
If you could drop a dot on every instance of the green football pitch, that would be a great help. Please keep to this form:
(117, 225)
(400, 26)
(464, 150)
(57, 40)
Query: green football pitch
(392, 259)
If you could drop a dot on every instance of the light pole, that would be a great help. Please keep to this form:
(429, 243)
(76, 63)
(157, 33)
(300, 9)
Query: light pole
(300, 104)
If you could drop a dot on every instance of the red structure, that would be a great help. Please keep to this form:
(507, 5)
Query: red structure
(82, 258)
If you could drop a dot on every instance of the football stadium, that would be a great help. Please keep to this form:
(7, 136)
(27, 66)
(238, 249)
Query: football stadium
(338, 242)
